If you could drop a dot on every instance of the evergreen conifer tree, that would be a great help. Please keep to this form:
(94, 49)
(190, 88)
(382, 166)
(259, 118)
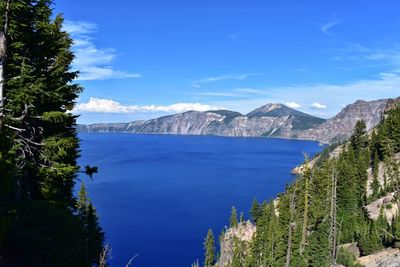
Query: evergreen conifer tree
(255, 210)
(38, 143)
(233, 221)
(209, 247)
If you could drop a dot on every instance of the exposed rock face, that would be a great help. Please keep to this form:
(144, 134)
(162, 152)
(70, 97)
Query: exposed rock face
(272, 120)
(387, 204)
(386, 258)
(380, 177)
(340, 127)
(243, 233)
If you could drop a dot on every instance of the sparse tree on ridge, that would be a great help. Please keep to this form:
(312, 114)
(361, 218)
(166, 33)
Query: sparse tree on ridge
(233, 221)
(209, 247)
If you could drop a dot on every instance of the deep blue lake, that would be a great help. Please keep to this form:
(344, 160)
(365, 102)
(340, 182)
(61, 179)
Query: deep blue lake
(157, 195)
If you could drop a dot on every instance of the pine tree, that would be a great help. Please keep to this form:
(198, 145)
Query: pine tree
(209, 247)
(233, 221)
(359, 139)
(95, 235)
(82, 202)
(255, 210)
(375, 186)
(38, 143)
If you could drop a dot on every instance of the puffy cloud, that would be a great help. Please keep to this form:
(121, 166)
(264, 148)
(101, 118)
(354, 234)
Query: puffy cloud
(318, 105)
(292, 105)
(97, 105)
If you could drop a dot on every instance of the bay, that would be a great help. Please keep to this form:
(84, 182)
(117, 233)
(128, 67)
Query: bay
(157, 195)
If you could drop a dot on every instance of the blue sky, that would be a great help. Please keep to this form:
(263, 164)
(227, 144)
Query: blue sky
(140, 59)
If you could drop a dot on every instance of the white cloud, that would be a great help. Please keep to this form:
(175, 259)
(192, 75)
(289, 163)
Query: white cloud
(241, 77)
(97, 105)
(326, 27)
(292, 105)
(93, 63)
(318, 105)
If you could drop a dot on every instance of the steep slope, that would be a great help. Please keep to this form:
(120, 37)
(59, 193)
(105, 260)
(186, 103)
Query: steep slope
(340, 126)
(344, 207)
(300, 120)
(110, 127)
(271, 120)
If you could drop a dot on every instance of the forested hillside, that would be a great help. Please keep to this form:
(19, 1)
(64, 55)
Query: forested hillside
(324, 210)
(42, 223)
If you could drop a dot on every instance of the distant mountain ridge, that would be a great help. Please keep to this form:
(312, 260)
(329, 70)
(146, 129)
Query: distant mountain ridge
(271, 120)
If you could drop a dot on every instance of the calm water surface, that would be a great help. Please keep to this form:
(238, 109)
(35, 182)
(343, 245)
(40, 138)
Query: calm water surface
(157, 195)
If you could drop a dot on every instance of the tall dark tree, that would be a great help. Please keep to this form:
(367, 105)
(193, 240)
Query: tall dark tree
(359, 139)
(233, 220)
(209, 247)
(255, 210)
(38, 142)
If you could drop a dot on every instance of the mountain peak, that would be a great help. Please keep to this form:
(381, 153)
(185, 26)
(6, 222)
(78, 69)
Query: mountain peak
(272, 110)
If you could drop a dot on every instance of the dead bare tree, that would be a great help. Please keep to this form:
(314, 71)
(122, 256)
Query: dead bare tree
(305, 214)
(333, 215)
(291, 228)
(3, 59)
(105, 254)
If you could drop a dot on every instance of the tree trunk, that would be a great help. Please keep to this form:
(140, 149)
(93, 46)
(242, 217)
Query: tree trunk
(3, 59)
(305, 216)
(292, 226)
(333, 228)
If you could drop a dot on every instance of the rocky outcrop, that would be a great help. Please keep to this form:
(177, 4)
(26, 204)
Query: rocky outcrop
(243, 234)
(271, 120)
(386, 204)
(380, 177)
(386, 258)
(333, 154)
(340, 127)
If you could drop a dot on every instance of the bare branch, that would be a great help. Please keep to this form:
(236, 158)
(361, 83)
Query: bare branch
(130, 261)
(106, 253)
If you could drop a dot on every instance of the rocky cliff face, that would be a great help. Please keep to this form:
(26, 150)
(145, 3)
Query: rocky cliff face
(240, 235)
(340, 127)
(272, 120)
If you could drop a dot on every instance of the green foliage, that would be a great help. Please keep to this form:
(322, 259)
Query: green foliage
(233, 220)
(359, 139)
(209, 247)
(255, 210)
(41, 223)
(44, 235)
(318, 246)
(307, 209)
(388, 136)
(347, 259)
(370, 240)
